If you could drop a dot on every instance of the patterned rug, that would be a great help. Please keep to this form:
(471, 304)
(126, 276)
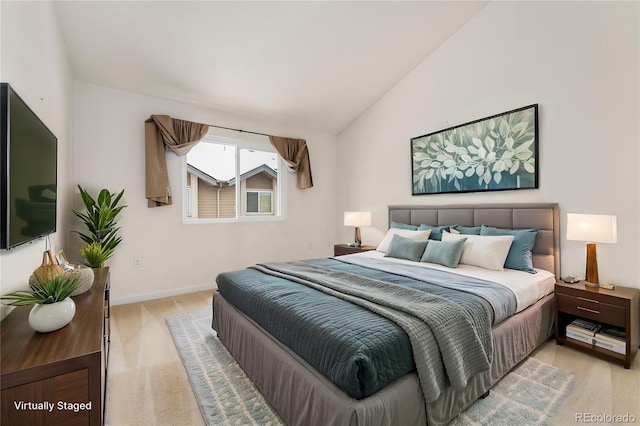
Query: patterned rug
(531, 394)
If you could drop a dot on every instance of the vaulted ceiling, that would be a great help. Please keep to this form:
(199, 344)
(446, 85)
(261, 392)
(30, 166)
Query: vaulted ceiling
(314, 65)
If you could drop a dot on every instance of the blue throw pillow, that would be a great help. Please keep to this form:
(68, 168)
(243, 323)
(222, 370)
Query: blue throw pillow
(399, 225)
(445, 253)
(406, 248)
(471, 230)
(520, 256)
(436, 231)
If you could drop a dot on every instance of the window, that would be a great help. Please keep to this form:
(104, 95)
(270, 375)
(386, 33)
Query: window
(230, 180)
(259, 202)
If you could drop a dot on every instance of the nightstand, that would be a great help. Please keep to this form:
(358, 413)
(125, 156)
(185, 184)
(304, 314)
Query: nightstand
(619, 307)
(342, 249)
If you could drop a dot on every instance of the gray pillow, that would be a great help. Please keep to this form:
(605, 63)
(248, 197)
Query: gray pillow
(399, 225)
(520, 256)
(472, 230)
(445, 253)
(406, 248)
(436, 231)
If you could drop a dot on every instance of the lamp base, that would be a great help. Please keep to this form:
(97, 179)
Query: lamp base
(591, 275)
(358, 237)
(589, 284)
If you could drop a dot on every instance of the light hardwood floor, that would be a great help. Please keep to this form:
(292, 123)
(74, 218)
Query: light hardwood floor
(147, 384)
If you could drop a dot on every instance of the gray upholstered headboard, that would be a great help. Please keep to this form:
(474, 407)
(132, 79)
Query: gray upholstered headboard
(544, 217)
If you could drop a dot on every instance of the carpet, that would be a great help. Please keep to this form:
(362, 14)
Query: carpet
(531, 394)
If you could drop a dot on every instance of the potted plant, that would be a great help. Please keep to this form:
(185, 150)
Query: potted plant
(51, 296)
(95, 254)
(100, 219)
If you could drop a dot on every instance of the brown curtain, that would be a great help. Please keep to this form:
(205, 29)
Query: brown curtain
(295, 154)
(162, 131)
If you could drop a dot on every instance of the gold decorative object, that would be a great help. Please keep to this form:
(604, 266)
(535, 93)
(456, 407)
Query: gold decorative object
(48, 269)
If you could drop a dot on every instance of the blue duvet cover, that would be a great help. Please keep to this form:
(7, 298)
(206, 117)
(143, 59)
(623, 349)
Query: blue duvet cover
(358, 350)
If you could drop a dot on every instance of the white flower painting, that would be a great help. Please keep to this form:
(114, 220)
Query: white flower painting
(492, 154)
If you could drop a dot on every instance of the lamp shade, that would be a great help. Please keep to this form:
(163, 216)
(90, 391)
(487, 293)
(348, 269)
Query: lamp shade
(357, 218)
(595, 228)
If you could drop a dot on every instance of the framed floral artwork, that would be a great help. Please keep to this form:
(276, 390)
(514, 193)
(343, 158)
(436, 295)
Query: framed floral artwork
(495, 153)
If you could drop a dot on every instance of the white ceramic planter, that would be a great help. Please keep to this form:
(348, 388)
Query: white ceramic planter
(52, 316)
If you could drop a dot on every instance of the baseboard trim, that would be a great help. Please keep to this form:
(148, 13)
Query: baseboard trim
(160, 295)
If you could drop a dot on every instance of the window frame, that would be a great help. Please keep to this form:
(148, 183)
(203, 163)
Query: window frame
(279, 207)
(187, 200)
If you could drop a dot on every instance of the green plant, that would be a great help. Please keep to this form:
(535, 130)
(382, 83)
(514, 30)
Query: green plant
(95, 254)
(44, 291)
(100, 219)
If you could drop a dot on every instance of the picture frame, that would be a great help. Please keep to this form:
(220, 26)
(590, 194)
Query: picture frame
(495, 153)
(61, 258)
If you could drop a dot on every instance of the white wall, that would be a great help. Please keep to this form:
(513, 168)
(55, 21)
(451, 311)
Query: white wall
(578, 61)
(33, 61)
(176, 258)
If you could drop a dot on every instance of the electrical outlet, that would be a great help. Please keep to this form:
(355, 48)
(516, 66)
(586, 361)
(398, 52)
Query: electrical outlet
(137, 262)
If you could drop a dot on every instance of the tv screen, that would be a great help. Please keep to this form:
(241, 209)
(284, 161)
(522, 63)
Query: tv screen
(29, 172)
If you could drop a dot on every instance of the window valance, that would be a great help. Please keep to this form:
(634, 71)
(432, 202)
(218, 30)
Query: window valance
(163, 132)
(295, 154)
(179, 136)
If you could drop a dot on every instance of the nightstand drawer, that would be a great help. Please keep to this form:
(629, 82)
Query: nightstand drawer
(592, 309)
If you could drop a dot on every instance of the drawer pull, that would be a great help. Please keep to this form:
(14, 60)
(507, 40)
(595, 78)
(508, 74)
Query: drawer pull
(588, 310)
(588, 300)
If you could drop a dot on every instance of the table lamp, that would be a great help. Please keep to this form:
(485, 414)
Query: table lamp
(357, 219)
(593, 228)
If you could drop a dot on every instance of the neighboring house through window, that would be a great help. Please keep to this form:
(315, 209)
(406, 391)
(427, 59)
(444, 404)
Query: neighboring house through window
(232, 180)
(259, 202)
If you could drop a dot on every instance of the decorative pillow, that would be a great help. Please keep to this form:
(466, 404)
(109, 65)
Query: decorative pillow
(436, 231)
(445, 253)
(407, 233)
(405, 248)
(487, 252)
(467, 230)
(399, 225)
(520, 256)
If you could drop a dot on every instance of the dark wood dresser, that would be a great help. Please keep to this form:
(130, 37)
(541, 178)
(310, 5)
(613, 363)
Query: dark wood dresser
(57, 378)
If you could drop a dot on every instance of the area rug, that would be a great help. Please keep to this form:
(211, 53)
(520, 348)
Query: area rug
(531, 394)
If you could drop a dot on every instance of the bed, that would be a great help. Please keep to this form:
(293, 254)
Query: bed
(306, 391)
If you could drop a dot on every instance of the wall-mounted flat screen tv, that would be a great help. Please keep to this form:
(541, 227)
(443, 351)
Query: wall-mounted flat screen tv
(28, 180)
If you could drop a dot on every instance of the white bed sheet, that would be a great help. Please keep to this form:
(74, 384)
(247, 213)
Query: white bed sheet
(527, 288)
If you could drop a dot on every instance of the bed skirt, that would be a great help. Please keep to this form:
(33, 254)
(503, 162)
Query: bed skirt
(303, 396)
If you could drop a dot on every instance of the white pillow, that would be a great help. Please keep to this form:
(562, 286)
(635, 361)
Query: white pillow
(407, 233)
(485, 251)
